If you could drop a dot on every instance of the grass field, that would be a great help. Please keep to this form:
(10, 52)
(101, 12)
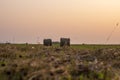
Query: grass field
(94, 46)
(77, 62)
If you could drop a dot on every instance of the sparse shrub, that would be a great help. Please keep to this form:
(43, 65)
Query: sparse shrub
(81, 77)
(3, 64)
(17, 76)
(100, 76)
(59, 71)
(23, 49)
(69, 77)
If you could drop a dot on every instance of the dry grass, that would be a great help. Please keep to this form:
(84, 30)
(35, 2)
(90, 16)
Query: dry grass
(37, 62)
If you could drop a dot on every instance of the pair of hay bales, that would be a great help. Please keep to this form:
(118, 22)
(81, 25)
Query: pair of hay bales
(63, 42)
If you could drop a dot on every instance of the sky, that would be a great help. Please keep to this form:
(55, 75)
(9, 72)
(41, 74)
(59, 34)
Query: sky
(83, 21)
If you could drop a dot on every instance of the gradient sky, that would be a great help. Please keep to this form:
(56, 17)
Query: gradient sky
(84, 21)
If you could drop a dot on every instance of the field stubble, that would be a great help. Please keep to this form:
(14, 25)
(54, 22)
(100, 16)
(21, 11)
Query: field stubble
(78, 62)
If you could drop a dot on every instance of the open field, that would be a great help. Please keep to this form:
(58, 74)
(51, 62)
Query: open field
(94, 46)
(78, 62)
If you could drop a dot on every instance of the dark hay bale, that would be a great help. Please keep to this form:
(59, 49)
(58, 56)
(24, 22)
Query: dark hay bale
(64, 42)
(47, 42)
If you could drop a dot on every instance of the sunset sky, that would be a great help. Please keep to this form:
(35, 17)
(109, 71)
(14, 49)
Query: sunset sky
(84, 21)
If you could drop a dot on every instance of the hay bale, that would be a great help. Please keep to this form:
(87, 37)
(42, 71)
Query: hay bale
(64, 42)
(47, 42)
